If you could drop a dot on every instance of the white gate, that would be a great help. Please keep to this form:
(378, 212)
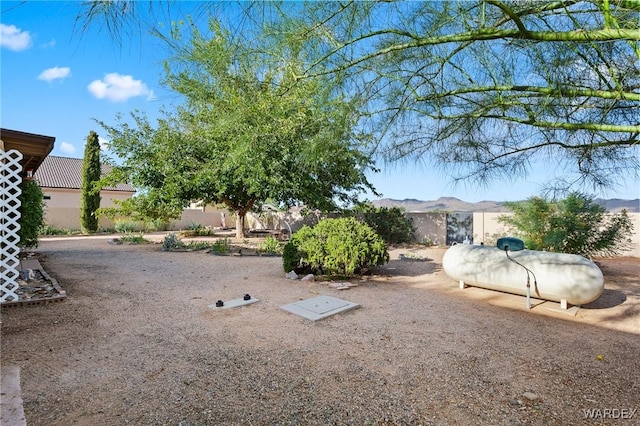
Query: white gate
(10, 170)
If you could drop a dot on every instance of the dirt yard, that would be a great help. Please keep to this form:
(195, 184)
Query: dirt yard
(136, 343)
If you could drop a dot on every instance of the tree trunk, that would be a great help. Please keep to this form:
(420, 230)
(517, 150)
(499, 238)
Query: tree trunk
(240, 224)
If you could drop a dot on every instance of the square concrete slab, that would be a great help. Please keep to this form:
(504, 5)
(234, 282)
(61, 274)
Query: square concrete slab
(234, 303)
(319, 307)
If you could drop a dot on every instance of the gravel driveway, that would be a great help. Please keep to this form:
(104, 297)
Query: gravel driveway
(135, 343)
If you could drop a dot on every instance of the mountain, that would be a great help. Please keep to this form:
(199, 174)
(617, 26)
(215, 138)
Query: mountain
(453, 204)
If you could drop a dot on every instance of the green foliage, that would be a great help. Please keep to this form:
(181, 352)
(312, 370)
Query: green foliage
(427, 241)
(196, 230)
(171, 242)
(54, 230)
(244, 134)
(270, 245)
(575, 224)
(127, 226)
(154, 225)
(390, 223)
(31, 213)
(90, 188)
(221, 246)
(343, 247)
(131, 238)
(540, 86)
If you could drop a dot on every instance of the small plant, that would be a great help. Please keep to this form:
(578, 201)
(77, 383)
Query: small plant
(130, 238)
(126, 226)
(220, 246)
(195, 229)
(198, 245)
(171, 242)
(54, 230)
(270, 246)
(426, 241)
(154, 225)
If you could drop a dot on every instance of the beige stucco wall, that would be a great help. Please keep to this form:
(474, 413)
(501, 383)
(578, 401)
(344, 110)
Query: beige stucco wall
(208, 216)
(62, 207)
(487, 229)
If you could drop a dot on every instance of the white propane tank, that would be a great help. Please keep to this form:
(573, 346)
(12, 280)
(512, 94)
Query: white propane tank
(558, 277)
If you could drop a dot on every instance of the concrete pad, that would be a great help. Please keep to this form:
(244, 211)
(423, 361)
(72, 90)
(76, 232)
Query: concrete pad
(11, 410)
(234, 303)
(319, 307)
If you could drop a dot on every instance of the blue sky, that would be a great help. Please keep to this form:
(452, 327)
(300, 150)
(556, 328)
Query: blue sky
(56, 79)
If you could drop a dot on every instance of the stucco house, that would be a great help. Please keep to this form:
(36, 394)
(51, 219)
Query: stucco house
(60, 179)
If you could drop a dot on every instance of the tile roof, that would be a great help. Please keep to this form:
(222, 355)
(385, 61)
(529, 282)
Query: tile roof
(64, 172)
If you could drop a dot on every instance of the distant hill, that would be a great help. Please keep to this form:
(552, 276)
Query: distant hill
(453, 204)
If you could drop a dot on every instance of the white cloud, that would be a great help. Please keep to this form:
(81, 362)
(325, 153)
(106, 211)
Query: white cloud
(55, 73)
(104, 143)
(51, 43)
(13, 38)
(118, 88)
(67, 148)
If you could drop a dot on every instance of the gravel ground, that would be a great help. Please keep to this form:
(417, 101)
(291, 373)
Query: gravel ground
(135, 343)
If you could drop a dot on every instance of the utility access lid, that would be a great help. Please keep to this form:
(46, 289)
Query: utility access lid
(319, 307)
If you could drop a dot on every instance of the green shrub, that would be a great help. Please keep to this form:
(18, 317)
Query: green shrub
(131, 238)
(54, 230)
(171, 241)
(31, 213)
(291, 256)
(576, 224)
(270, 246)
(390, 223)
(195, 229)
(155, 225)
(344, 247)
(126, 226)
(220, 246)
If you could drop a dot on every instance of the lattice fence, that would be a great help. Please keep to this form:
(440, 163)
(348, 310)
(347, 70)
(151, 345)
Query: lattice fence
(10, 170)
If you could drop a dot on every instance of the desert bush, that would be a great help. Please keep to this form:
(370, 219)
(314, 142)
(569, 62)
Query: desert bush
(126, 226)
(220, 246)
(131, 238)
(344, 247)
(390, 223)
(54, 230)
(154, 225)
(270, 245)
(195, 229)
(31, 213)
(171, 242)
(575, 224)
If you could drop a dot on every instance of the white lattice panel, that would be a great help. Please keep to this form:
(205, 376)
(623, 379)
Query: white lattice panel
(10, 170)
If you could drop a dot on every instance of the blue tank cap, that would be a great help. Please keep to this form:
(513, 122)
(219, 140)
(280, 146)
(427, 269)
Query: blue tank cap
(510, 243)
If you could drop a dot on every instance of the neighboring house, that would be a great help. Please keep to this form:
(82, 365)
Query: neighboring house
(34, 148)
(60, 179)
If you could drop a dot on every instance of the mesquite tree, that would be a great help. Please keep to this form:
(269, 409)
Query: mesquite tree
(245, 134)
(90, 189)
